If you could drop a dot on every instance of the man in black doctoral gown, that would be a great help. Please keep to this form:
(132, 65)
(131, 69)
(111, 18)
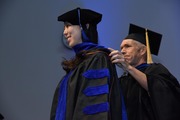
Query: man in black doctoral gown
(150, 91)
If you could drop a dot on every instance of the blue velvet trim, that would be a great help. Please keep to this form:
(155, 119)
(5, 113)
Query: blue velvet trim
(96, 108)
(85, 46)
(61, 107)
(141, 66)
(96, 74)
(96, 90)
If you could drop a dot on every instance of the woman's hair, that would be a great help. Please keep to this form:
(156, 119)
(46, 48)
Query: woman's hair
(68, 65)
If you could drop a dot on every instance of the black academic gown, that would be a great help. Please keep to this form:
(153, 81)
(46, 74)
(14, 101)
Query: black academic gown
(161, 102)
(83, 105)
(1, 117)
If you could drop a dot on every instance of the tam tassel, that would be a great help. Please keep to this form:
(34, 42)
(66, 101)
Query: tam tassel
(149, 56)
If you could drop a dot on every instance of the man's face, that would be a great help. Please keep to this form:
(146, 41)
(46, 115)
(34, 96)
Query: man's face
(131, 51)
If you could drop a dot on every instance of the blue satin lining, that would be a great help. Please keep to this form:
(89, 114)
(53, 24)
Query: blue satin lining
(61, 107)
(96, 108)
(96, 90)
(95, 74)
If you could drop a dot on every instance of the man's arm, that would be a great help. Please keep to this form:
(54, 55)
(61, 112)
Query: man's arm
(118, 58)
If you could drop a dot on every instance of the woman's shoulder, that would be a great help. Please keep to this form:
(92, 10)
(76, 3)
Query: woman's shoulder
(98, 52)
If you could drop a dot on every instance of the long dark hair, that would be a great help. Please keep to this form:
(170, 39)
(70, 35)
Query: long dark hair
(68, 65)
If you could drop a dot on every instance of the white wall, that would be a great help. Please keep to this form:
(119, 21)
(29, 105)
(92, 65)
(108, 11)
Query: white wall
(31, 49)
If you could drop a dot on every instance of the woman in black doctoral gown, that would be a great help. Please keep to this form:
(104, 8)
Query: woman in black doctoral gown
(90, 89)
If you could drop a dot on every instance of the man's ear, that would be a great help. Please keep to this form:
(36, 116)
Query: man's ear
(143, 50)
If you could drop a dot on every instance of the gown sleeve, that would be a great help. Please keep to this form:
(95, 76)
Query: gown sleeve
(164, 91)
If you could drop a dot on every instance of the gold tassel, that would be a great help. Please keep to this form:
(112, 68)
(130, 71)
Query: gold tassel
(149, 56)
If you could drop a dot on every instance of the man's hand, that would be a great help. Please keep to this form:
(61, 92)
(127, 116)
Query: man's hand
(118, 58)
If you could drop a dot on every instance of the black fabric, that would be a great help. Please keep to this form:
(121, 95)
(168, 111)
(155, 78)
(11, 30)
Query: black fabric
(76, 100)
(138, 37)
(161, 102)
(1, 117)
(85, 16)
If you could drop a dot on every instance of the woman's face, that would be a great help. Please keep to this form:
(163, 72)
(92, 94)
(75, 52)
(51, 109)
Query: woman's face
(73, 34)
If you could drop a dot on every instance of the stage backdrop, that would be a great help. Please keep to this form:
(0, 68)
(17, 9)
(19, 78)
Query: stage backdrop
(31, 49)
